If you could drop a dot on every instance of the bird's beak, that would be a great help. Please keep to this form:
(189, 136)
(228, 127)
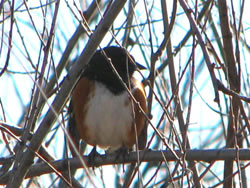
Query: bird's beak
(141, 67)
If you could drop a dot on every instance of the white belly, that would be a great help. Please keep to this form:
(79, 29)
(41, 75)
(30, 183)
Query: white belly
(108, 118)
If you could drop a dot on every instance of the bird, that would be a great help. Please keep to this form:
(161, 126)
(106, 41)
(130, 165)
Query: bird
(102, 112)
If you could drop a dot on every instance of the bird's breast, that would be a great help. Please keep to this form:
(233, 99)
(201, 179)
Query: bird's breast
(108, 117)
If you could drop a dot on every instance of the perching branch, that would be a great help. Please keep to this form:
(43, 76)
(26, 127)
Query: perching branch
(144, 156)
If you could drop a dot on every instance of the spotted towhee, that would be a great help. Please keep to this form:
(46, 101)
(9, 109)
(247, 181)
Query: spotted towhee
(102, 113)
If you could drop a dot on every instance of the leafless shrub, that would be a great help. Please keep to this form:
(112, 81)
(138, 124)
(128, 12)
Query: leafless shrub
(197, 84)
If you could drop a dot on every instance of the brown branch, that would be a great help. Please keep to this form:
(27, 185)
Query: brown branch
(179, 113)
(203, 13)
(196, 30)
(9, 39)
(42, 153)
(47, 47)
(209, 155)
(226, 179)
(230, 92)
(233, 73)
(70, 46)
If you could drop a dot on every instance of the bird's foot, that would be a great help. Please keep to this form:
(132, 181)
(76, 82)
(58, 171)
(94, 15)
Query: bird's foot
(92, 156)
(122, 153)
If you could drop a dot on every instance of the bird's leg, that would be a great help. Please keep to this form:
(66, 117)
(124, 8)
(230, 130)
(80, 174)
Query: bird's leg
(92, 155)
(122, 152)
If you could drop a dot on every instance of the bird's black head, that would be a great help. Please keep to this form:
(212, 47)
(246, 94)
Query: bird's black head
(99, 67)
